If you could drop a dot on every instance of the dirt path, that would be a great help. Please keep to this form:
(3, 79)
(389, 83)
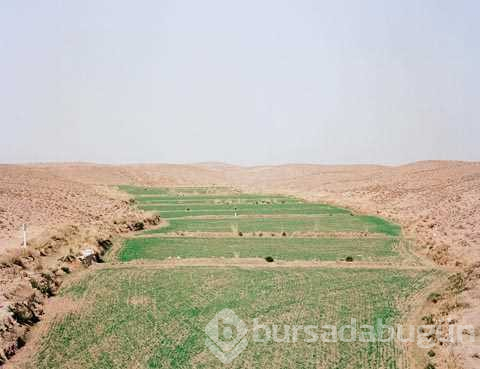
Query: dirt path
(418, 308)
(254, 263)
(346, 235)
(254, 216)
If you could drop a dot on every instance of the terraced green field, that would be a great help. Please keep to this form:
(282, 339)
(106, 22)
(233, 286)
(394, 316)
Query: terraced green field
(156, 318)
(153, 315)
(326, 249)
(260, 200)
(179, 210)
(230, 208)
(317, 223)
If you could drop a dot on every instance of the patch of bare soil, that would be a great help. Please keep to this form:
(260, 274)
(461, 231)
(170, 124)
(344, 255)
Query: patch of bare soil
(140, 300)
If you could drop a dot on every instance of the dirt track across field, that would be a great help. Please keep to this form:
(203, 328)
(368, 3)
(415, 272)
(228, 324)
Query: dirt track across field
(259, 263)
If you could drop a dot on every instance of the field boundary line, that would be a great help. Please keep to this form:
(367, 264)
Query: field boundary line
(276, 235)
(256, 263)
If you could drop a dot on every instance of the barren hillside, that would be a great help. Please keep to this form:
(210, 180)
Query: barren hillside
(43, 198)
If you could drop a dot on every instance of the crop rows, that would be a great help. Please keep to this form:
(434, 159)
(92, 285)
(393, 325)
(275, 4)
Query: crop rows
(156, 318)
(279, 248)
(318, 223)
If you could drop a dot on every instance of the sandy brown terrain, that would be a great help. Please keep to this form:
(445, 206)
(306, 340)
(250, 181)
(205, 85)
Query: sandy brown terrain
(437, 203)
(44, 200)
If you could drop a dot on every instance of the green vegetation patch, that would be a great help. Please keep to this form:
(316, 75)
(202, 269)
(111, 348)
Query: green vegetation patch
(157, 318)
(320, 223)
(279, 248)
(213, 197)
(178, 211)
(216, 200)
(172, 203)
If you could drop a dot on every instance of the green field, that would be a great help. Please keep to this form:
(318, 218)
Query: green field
(219, 200)
(223, 205)
(279, 248)
(319, 223)
(153, 315)
(276, 207)
(156, 318)
(177, 211)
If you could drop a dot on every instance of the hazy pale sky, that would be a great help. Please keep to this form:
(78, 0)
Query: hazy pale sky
(245, 82)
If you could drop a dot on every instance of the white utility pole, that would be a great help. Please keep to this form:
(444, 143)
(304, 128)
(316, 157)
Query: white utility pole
(24, 228)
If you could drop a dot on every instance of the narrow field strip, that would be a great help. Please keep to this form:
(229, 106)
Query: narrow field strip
(341, 223)
(193, 211)
(278, 248)
(215, 200)
(218, 197)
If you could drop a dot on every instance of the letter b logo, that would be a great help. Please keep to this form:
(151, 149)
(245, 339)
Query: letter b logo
(226, 336)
